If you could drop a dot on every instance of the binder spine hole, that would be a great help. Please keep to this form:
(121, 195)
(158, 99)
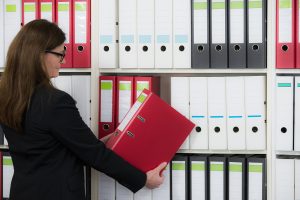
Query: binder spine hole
(285, 47)
(218, 48)
(127, 48)
(130, 134)
(145, 48)
(283, 130)
(217, 129)
(255, 47)
(106, 48)
(181, 48)
(236, 129)
(106, 127)
(198, 129)
(80, 48)
(200, 48)
(254, 129)
(237, 47)
(163, 48)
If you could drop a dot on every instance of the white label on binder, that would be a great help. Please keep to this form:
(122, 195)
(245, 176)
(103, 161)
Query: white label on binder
(218, 22)
(80, 22)
(237, 20)
(29, 12)
(285, 21)
(46, 11)
(255, 15)
(200, 21)
(106, 102)
(64, 18)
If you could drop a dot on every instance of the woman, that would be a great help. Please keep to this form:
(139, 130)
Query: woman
(48, 141)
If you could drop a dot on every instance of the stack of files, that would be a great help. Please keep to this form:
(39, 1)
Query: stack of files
(7, 171)
(10, 24)
(228, 34)
(151, 132)
(117, 94)
(229, 112)
(287, 34)
(109, 189)
(38, 9)
(79, 87)
(74, 17)
(287, 113)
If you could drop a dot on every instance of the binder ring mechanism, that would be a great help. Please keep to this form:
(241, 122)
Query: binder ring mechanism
(285, 47)
(80, 48)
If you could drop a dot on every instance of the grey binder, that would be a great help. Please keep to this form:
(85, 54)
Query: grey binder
(198, 166)
(237, 34)
(256, 34)
(256, 166)
(217, 174)
(236, 165)
(200, 34)
(218, 34)
(179, 177)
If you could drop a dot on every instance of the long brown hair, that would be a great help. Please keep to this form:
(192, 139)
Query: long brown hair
(25, 69)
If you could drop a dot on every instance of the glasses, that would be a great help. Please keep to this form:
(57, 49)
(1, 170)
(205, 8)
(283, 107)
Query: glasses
(62, 55)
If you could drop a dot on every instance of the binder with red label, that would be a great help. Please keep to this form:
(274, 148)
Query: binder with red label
(151, 132)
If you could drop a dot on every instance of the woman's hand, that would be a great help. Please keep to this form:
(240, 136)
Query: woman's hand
(154, 177)
(105, 138)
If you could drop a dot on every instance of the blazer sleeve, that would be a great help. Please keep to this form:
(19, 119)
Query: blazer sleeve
(69, 128)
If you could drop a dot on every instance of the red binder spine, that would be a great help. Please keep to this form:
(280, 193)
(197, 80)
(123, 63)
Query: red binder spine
(63, 12)
(107, 105)
(285, 34)
(82, 34)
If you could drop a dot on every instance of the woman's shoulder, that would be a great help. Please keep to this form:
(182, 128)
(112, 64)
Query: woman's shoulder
(50, 95)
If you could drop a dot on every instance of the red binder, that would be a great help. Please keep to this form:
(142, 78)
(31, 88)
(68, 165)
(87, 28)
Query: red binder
(107, 105)
(151, 132)
(82, 34)
(285, 35)
(124, 101)
(30, 10)
(297, 32)
(47, 10)
(143, 82)
(63, 11)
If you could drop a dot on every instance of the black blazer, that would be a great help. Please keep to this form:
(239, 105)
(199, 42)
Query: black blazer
(49, 155)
